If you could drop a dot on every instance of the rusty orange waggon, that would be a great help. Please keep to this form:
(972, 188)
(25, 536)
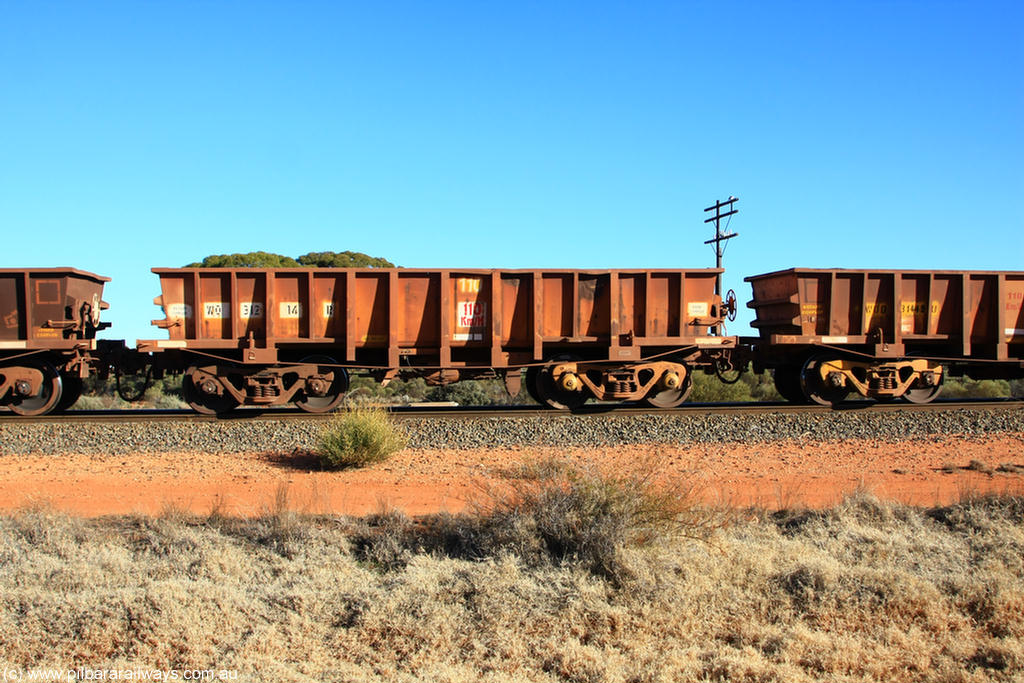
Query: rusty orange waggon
(885, 334)
(49, 318)
(270, 336)
(266, 337)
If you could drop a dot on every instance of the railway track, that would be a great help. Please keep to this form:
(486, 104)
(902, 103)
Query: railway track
(479, 412)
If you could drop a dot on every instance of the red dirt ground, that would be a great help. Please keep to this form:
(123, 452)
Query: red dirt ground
(936, 471)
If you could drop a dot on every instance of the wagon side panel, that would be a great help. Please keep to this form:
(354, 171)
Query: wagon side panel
(13, 326)
(1013, 305)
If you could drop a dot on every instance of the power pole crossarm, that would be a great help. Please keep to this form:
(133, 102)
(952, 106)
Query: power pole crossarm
(722, 210)
(720, 237)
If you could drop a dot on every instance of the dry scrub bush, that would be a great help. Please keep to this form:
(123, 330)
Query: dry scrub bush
(548, 512)
(585, 516)
(386, 540)
(552, 512)
(867, 591)
(358, 437)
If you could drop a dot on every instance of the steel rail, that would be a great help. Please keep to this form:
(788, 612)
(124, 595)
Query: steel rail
(482, 412)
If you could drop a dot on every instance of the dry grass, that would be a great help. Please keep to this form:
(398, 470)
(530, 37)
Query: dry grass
(578, 514)
(867, 591)
(551, 512)
(979, 466)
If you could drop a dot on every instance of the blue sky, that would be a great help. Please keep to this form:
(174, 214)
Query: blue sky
(527, 134)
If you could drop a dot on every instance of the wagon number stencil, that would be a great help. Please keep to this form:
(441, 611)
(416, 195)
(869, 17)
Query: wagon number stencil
(214, 310)
(252, 309)
(290, 310)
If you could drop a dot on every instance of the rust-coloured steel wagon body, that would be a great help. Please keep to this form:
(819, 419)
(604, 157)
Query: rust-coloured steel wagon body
(48, 323)
(886, 333)
(269, 336)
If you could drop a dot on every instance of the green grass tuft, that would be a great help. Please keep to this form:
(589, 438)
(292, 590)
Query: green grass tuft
(359, 437)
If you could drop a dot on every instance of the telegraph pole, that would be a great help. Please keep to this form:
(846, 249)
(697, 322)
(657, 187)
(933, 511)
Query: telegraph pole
(720, 237)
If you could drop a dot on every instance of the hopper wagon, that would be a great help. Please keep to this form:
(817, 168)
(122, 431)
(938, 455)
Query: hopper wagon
(268, 337)
(885, 334)
(49, 318)
(263, 337)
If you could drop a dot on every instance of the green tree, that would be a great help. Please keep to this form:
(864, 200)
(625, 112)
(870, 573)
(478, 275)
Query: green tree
(964, 387)
(1017, 388)
(253, 259)
(709, 389)
(478, 392)
(343, 259)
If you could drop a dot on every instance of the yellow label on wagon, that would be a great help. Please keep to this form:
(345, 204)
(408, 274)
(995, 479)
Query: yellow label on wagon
(810, 309)
(468, 285)
(917, 307)
(914, 314)
(875, 310)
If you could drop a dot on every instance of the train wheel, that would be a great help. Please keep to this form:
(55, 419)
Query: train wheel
(923, 395)
(661, 397)
(336, 381)
(71, 391)
(531, 384)
(551, 394)
(816, 389)
(49, 392)
(787, 383)
(202, 402)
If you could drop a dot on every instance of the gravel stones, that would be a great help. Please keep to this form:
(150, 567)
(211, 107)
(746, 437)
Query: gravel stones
(286, 435)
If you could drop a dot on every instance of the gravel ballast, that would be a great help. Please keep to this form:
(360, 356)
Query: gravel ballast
(269, 435)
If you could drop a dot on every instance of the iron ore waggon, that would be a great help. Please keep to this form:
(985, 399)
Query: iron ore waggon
(272, 336)
(49, 318)
(264, 337)
(885, 334)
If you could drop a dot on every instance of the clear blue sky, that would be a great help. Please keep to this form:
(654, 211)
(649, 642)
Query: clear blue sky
(549, 134)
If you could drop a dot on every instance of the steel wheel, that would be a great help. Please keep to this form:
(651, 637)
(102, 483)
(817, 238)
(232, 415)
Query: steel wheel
(335, 393)
(923, 395)
(71, 391)
(787, 383)
(49, 392)
(658, 397)
(202, 402)
(551, 394)
(814, 388)
(530, 384)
